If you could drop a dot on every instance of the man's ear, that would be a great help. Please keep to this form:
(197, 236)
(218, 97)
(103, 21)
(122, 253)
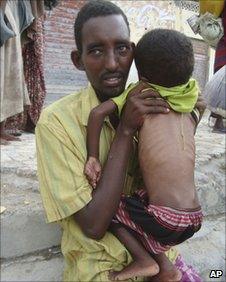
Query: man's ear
(77, 60)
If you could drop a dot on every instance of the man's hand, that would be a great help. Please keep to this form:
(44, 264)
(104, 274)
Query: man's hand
(141, 101)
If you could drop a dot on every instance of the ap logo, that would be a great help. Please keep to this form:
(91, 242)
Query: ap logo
(216, 273)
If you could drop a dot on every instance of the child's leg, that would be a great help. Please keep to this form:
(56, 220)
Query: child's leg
(168, 272)
(143, 264)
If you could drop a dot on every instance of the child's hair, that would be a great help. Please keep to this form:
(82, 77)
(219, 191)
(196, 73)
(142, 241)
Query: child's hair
(93, 9)
(165, 57)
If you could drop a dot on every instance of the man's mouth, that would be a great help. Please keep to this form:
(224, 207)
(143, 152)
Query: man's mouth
(112, 80)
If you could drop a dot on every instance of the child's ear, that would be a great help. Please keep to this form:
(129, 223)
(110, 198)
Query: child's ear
(77, 60)
(142, 78)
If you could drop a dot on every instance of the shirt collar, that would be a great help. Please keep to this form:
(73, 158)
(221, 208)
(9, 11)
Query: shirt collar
(90, 101)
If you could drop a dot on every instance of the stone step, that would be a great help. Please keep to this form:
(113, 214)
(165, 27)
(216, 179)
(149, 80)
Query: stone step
(23, 226)
(44, 266)
(205, 251)
(19, 170)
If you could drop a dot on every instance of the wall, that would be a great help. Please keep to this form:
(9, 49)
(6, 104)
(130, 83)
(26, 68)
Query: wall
(147, 15)
(61, 76)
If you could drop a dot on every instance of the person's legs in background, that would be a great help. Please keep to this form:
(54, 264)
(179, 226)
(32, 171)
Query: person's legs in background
(218, 126)
(4, 136)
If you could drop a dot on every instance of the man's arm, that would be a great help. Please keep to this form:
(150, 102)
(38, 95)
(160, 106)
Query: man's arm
(95, 217)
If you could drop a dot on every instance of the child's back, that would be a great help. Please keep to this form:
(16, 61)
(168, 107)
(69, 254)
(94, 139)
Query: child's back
(167, 159)
(166, 142)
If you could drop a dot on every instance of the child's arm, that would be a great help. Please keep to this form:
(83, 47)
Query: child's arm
(95, 122)
(92, 168)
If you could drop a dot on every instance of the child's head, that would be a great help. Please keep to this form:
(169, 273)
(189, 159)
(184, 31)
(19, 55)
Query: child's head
(165, 57)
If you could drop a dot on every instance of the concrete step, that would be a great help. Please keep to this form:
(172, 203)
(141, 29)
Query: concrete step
(43, 266)
(210, 169)
(19, 167)
(23, 226)
(206, 249)
(205, 252)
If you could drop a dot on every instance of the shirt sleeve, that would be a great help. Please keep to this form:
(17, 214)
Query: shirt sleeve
(60, 163)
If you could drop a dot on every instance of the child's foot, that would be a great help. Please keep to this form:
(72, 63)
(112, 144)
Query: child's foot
(136, 269)
(173, 275)
(168, 272)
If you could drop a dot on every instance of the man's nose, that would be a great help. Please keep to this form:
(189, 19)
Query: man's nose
(111, 61)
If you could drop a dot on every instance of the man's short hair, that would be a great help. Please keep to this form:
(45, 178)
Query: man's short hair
(165, 57)
(93, 9)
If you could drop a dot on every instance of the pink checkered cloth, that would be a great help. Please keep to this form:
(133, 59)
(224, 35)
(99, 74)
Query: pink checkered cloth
(158, 227)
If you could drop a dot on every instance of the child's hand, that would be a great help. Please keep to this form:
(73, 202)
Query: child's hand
(92, 171)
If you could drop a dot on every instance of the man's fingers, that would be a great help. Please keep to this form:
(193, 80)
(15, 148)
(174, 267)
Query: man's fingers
(136, 90)
(149, 93)
(156, 102)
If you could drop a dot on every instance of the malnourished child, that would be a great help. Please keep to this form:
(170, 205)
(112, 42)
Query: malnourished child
(167, 211)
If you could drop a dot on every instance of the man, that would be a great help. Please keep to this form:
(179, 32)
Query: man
(105, 53)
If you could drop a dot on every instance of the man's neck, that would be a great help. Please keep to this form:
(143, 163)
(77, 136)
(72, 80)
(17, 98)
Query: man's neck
(114, 119)
(101, 97)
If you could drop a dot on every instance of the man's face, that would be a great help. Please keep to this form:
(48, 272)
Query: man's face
(107, 54)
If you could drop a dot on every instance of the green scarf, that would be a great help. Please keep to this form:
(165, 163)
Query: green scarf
(181, 98)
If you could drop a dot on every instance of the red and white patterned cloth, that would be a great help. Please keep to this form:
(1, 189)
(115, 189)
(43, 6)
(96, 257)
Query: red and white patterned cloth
(158, 227)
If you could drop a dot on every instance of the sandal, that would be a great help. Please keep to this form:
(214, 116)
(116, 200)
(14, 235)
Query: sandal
(4, 142)
(14, 132)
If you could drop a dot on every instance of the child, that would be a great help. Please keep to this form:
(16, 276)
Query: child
(167, 212)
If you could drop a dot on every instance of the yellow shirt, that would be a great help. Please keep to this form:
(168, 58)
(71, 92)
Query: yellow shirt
(61, 155)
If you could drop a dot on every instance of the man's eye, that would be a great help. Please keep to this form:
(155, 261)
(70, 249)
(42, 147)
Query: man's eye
(122, 48)
(95, 52)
